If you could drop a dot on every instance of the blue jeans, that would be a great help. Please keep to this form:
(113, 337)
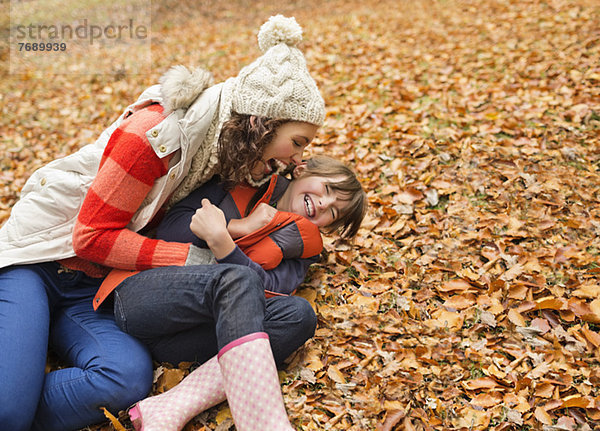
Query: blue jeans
(186, 314)
(43, 304)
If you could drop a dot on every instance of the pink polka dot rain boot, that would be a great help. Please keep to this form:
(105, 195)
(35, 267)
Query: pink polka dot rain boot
(171, 410)
(252, 385)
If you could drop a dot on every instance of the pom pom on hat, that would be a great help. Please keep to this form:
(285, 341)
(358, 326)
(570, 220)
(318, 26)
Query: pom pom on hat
(279, 29)
(278, 85)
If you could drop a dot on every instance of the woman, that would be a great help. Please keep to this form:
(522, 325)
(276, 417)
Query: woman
(81, 215)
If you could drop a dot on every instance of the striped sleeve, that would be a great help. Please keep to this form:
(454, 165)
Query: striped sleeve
(127, 172)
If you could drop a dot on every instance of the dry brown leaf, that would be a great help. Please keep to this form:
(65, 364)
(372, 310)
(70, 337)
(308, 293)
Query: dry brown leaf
(542, 416)
(512, 272)
(223, 415)
(544, 390)
(113, 420)
(486, 400)
(576, 401)
(551, 303)
(335, 374)
(541, 325)
(590, 291)
(309, 294)
(516, 318)
(366, 303)
(459, 302)
(454, 285)
(566, 423)
(313, 361)
(392, 417)
(169, 378)
(480, 383)
(409, 196)
(518, 291)
(445, 319)
(472, 418)
(592, 336)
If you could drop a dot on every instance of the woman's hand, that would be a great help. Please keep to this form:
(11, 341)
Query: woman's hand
(260, 217)
(209, 224)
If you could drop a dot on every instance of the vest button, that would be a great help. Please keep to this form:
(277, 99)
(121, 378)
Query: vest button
(154, 133)
(43, 181)
(162, 148)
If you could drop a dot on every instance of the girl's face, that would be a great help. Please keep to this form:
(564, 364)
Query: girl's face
(287, 147)
(313, 198)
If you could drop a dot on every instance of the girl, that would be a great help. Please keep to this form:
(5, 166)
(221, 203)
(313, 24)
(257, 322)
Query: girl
(281, 219)
(325, 194)
(81, 215)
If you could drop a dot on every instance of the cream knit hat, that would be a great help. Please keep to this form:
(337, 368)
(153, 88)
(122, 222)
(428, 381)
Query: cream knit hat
(277, 85)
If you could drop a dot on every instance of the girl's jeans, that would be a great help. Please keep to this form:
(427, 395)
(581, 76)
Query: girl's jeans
(189, 313)
(42, 304)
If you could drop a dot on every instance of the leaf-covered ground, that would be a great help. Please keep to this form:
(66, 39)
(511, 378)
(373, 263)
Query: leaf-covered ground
(471, 298)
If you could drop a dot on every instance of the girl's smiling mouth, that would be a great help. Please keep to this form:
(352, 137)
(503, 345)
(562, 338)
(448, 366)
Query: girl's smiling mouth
(309, 206)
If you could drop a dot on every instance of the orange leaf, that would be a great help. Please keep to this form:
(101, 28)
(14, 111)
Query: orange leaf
(313, 361)
(544, 390)
(564, 253)
(594, 316)
(587, 291)
(113, 420)
(541, 325)
(456, 284)
(391, 419)
(335, 374)
(591, 336)
(309, 294)
(169, 378)
(516, 318)
(542, 416)
(486, 400)
(576, 401)
(551, 303)
(460, 302)
(517, 291)
(366, 303)
(445, 319)
(579, 307)
(567, 315)
(480, 383)
(552, 405)
(409, 196)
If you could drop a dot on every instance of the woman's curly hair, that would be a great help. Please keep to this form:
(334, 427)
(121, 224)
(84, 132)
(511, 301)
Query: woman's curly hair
(242, 144)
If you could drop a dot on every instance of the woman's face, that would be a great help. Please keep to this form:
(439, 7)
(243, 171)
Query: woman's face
(313, 198)
(285, 148)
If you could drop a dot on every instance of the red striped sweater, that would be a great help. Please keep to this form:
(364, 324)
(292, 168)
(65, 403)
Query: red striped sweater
(128, 169)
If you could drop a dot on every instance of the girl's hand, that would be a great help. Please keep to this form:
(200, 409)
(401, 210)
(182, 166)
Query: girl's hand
(209, 224)
(260, 217)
